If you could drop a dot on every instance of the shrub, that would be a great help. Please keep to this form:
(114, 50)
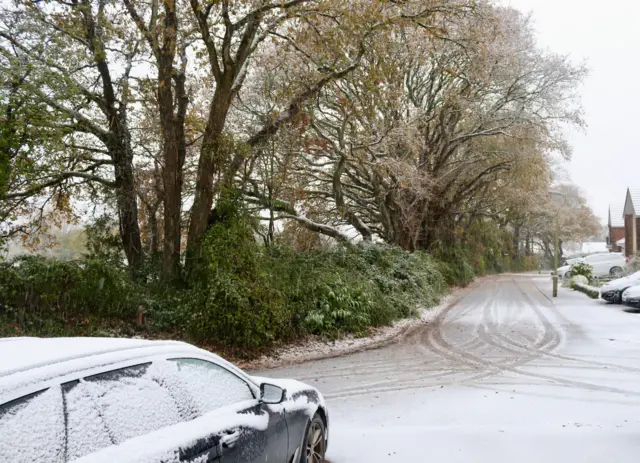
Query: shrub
(455, 266)
(233, 300)
(581, 279)
(248, 296)
(240, 294)
(530, 263)
(632, 266)
(583, 269)
(590, 291)
(34, 291)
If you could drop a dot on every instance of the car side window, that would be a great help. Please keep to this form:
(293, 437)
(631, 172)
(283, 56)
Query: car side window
(32, 428)
(210, 385)
(131, 402)
(86, 430)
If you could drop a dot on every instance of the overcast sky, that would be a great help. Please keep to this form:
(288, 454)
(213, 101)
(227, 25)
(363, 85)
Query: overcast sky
(606, 157)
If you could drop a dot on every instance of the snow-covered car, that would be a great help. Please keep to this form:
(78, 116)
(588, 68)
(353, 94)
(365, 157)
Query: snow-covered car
(612, 291)
(631, 296)
(604, 264)
(126, 400)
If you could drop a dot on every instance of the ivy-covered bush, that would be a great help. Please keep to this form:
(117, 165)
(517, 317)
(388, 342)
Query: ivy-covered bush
(583, 269)
(249, 296)
(593, 293)
(36, 291)
(240, 294)
(579, 279)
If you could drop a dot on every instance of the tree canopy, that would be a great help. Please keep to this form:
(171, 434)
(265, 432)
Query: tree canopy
(412, 123)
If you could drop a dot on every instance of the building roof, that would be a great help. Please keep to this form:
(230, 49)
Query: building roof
(632, 203)
(616, 215)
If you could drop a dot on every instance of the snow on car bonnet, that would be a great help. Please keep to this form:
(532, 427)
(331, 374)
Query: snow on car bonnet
(634, 291)
(624, 282)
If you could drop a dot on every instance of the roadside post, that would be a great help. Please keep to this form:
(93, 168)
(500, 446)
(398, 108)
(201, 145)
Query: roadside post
(559, 199)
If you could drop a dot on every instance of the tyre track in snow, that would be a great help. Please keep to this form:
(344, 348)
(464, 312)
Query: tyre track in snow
(500, 331)
(550, 340)
(465, 360)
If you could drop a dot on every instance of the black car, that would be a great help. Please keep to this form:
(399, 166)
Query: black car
(123, 400)
(613, 290)
(612, 296)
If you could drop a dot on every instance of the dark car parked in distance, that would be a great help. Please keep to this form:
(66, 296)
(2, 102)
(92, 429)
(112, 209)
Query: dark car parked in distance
(123, 400)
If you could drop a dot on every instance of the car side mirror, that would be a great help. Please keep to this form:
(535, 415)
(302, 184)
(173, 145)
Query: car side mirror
(271, 394)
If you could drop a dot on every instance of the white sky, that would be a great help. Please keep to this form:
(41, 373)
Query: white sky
(607, 35)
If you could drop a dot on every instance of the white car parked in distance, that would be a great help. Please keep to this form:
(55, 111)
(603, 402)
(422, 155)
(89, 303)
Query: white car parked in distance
(604, 264)
(565, 269)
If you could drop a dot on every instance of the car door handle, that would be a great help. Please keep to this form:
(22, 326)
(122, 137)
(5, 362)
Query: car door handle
(229, 439)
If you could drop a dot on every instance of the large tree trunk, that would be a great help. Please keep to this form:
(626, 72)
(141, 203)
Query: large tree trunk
(153, 231)
(213, 151)
(172, 102)
(172, 179)
(127, 204)
(126, 196)
(338, 195)
(119, 147)
(516, 242)
(429, 227)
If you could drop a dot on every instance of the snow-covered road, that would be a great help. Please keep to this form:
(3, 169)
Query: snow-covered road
(504, 375)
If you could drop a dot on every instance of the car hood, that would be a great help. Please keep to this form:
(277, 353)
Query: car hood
(634, 292)
(621, 283)
(564, 268)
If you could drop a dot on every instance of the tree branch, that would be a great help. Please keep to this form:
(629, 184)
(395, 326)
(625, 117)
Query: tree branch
(61, 177)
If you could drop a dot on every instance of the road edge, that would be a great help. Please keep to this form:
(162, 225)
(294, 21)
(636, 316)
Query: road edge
(314, 350)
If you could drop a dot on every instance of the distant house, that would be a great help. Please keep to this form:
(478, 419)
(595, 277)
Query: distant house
(632, 222)
(592, 247)
(620, 244)
(616, 226)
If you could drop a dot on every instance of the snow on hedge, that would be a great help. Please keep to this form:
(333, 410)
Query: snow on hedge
(591, 291)
(583, 280)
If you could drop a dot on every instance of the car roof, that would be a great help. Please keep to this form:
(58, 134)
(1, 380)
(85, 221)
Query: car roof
(19, 354)
(597, 254)
(26, 361)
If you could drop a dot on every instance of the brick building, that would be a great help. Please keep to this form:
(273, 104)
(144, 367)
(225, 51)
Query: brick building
(632, 222)
(616, 226)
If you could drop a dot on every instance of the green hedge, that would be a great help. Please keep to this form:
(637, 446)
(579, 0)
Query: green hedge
(40, 295)
(241, 295)
(250, 296)
(593, 293)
